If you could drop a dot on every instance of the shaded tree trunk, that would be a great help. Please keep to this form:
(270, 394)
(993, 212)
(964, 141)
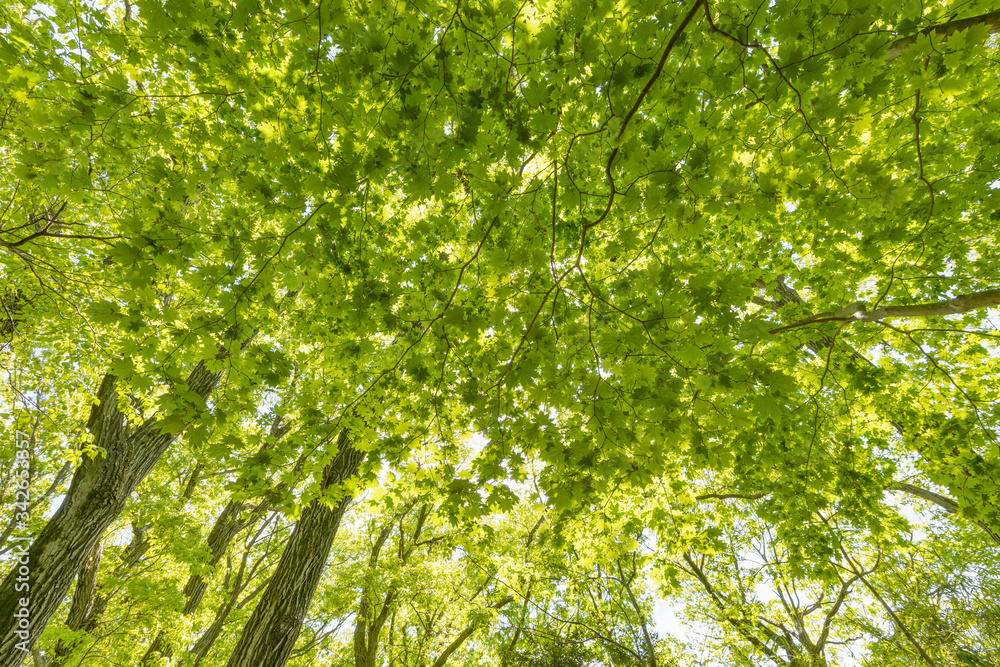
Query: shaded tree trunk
(235, 585)
(626, 583)
(367, 629)
(455, 645)
(97, 495)
(84, 598)
(269, 636)
(89, 600)
(233, 519)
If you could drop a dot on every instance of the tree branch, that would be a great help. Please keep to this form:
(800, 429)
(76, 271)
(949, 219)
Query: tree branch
(944, 30)
(856, 312)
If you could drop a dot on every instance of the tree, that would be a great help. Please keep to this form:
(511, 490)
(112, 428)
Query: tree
(680, 268)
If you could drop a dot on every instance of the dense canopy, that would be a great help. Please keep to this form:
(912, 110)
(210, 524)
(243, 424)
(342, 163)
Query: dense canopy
(500, 332)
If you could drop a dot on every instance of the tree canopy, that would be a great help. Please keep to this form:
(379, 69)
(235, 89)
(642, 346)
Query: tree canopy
(471, 333)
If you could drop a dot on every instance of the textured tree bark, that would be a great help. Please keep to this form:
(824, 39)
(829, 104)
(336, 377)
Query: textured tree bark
(84, 598)
(269, 636)
(207, 639)
(235, 586)
(89, 604)
(233, 519)
(455, 645)
(98, 493)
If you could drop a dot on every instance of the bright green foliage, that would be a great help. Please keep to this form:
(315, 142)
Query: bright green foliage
(585, 261)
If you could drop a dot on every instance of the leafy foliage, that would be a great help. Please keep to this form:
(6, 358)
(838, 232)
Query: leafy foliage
(608, 302)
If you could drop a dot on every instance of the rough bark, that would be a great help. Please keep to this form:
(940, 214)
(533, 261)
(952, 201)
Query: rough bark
(228, 524)
(211, 634)
(234, 518)
(235, 586)
(97, 495)
(84, 598)
(12, 304)
(269, 636)
(90, 609)
(192, 481)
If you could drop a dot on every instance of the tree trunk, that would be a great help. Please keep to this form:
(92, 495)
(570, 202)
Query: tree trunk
(89, 600)
(365, 634)
(464, 635)
(207, 639)
(84, 598)
(100, 488)
(269, 636)
(455, 645)
(233, 519)
(229, 523)
(368, 628)
(235, 585)
(626, 583)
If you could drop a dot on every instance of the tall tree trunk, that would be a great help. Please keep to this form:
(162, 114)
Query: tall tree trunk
(626, 582)
(207, 639)
(236, 585)
(365, 635)
(455, 645)
(89, 600)
(84, 598)
(233, 519)
(97, 495)
(269, 636)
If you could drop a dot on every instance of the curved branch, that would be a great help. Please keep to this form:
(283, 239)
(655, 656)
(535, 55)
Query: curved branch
(945, 503)
(944, 30)
(962, 303)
